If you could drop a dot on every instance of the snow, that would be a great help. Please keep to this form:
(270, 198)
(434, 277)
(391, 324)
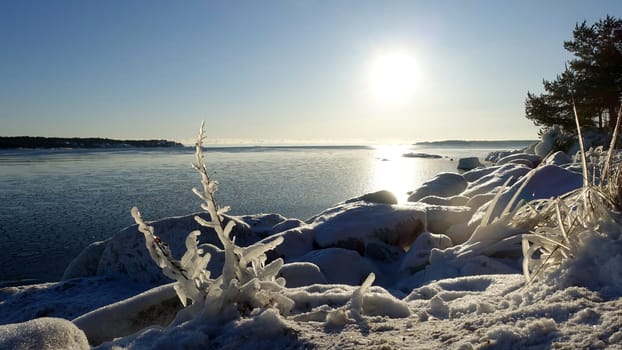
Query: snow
(441, 272)
(442, 185)
(44, 333)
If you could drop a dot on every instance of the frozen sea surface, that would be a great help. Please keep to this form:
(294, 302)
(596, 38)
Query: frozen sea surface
(56, 202)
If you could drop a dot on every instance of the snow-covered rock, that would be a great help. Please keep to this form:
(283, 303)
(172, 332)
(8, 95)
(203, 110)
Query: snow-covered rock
(439, 217)
(545, 182)
(530, 160)
(340, 265)
(87, 262)
(352, 225)
(479, 200)
(300, 274)
(447, 201)
(469, 163)
(125, 255)
(442, 185)
(265, 225)
(476, 174)
(380, 197)
(45, 333)
(157, 306)
(66, 299)
(419, 253)
(296, 242)
(558, 158)
(494, 156)
(491, 182)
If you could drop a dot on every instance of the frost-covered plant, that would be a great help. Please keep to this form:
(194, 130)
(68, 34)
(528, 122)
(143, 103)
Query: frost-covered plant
(570, 220)
(246, 282)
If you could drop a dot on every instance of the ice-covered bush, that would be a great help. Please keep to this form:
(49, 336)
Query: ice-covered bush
(247, 283)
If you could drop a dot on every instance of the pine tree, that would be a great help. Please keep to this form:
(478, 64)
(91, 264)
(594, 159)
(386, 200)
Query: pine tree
(593, 78)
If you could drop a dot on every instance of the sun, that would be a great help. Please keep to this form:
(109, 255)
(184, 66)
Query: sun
(393, 78)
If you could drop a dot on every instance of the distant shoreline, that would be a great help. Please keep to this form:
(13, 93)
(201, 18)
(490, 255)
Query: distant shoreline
(38, 142)
(476, 143)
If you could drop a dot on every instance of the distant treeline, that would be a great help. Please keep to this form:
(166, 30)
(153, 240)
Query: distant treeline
(76, 142)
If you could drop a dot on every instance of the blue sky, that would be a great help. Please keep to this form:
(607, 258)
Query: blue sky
(277, 71)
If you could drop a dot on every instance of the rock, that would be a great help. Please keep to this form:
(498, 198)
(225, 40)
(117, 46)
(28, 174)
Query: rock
(380, 197)
(287, 225)
(419, 253)
(421, 155)
(352, 225)
(459, 233)
(45, 333)
(300, 274)
(87, 262)
(469, 163)
(476, 174)
(489, 183)
(157, 306)
(546, 182)
(339, 265)
(494, 156)
(296, 242)
(126, 254)
(65, 299)
(440, 218)
(448, 201)
(264, 225)
(478, 200)
(382, 252)
(558, 158)
(442, 185)
(530, 160)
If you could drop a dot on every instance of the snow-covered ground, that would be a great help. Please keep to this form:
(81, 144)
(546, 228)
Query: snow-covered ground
(446, 271)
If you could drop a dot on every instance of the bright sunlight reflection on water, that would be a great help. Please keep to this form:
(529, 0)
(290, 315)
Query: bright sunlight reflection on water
(394, 172)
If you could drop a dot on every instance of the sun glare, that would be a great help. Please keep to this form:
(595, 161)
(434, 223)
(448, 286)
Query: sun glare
(393, 78)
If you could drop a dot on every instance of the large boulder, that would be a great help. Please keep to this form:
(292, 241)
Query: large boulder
(353, 225)
(442, 185)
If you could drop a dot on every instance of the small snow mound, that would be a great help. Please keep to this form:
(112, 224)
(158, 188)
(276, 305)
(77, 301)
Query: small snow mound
(379, 302)
(43, 334)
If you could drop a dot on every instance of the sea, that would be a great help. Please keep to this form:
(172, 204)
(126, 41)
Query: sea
(56, 202)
